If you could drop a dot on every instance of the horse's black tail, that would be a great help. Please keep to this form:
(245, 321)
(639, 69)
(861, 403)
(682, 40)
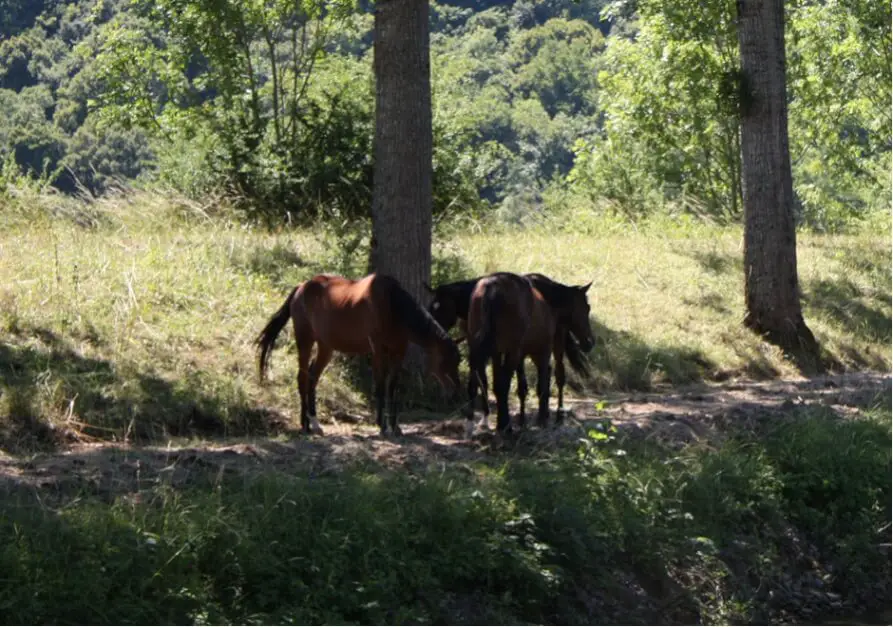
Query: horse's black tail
(486, 336)
(268, 336)
(575, 356)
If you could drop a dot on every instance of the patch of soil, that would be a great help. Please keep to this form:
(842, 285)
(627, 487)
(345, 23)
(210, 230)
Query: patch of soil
(675, 416)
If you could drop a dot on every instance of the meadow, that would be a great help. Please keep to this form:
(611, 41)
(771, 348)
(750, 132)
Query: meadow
(128, 323)
(141, 327)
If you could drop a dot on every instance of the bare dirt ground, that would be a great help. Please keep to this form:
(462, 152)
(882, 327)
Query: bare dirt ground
(703, 412)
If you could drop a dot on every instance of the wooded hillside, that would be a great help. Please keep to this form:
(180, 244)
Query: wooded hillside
(624, 106)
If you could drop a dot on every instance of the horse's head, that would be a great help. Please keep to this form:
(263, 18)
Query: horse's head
(444, 306)
(443, 363)
(579, 317)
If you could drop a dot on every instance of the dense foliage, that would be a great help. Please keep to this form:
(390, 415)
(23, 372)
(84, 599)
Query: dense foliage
(629, 106)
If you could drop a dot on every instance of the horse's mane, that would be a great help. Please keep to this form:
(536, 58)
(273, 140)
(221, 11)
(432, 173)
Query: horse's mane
(575, 356)
(420, 323)
(556, 294)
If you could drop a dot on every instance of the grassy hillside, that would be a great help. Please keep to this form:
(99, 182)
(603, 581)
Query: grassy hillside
(140, 324)
(133, 320)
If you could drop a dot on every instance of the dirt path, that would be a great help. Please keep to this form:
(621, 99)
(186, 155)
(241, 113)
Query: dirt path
(674, 415)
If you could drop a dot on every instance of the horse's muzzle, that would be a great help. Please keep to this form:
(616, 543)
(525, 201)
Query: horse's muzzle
(586, 344)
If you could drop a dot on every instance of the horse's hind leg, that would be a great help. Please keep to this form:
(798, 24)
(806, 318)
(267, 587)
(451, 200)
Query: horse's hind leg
(503, 368)
(522, 390)
(543, 385)
(305, 348)
(319, 363)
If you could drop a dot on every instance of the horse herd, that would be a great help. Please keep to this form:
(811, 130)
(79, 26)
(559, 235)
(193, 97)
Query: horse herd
(505, 317)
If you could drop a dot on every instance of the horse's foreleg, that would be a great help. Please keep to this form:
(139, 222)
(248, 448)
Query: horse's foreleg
(558, 352)
(323, 357)
(560, 380)
(473, 382)
(522, 390)
(305, 347)
(391, 390)
(477, 382)
(543, 385)
(379, 374)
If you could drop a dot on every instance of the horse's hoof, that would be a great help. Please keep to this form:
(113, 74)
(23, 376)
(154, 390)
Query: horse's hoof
(383, 432)
(397, 431)
(315, 427)
(484, 425)
(469, 429)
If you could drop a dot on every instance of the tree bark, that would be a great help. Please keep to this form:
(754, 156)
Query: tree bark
(772, 293)
(401, 198)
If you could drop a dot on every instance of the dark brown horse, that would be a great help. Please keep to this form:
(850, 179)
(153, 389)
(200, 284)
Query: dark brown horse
(508, 319)
(573, 337)
(371, 315)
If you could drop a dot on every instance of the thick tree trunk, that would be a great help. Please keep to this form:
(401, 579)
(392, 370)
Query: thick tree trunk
(772, 294)
(401, 199)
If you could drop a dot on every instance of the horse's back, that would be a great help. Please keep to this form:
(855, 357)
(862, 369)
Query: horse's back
(337, 311)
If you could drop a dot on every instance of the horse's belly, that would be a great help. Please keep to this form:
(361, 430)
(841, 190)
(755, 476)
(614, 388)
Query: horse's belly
(348, 331)
(349, 345)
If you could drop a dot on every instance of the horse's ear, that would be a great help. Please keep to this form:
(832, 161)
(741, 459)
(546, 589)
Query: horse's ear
(585, 288)
(429, 288)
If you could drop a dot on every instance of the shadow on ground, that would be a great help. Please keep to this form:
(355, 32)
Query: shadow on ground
(100, 399)
(866, 315)
(708, 412)
(622, 360)
(617, 553)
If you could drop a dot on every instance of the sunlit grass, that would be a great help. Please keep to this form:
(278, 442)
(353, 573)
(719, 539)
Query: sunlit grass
(667, 299)
(143, 326)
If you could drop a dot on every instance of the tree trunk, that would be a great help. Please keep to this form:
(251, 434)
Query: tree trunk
(401, 199)
(771, 290)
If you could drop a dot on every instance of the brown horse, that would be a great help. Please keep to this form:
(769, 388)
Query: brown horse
(573, 336)
(507, 320)
(371, 315)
